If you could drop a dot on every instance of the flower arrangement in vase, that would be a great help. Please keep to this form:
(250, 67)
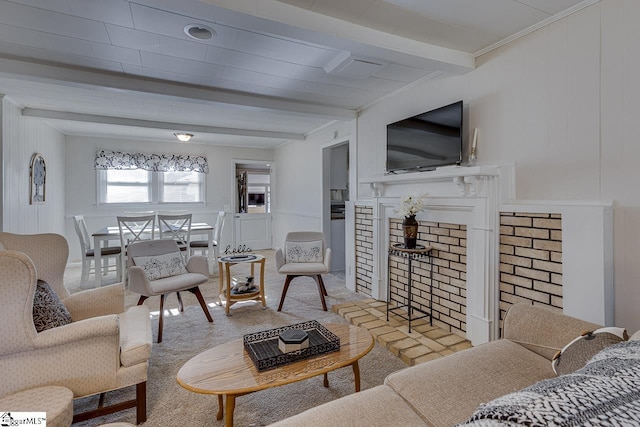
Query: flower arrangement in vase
(410, 206)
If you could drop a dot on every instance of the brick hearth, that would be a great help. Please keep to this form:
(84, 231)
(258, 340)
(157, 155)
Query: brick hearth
(424, 343)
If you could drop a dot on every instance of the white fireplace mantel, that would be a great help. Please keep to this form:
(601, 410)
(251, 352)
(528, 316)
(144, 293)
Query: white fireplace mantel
(468, 196)
(467, 179)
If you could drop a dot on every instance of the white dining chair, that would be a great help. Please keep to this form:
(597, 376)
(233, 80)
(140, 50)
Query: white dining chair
(134, 229)
(202, 246)
(176, 227)
(88, 253)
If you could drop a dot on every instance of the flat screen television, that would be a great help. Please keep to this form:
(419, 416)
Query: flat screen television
(426, 141)
(256, 199)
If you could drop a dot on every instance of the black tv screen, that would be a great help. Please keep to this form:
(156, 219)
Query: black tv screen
(426, 141)
(256, 199)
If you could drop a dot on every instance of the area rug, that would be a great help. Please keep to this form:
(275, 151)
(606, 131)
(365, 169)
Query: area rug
(187, 334)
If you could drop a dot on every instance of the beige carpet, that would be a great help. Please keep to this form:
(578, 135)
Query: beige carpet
(188, 334)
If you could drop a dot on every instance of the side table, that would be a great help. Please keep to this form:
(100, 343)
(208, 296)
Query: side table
(224, 265)
(420, 252)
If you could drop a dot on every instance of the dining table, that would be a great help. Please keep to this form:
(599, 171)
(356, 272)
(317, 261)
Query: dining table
(102, 236)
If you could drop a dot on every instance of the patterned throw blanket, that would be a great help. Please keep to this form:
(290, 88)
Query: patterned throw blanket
(606, 392)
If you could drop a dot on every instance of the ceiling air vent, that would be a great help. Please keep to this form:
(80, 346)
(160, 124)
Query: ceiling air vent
(347, 65)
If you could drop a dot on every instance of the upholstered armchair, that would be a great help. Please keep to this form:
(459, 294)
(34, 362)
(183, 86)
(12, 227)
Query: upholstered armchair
(305, 254)
(103, 348)
(156, 268)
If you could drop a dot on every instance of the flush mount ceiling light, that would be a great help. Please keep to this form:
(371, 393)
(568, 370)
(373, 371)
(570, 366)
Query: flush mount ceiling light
(199, 32)
(183, 137)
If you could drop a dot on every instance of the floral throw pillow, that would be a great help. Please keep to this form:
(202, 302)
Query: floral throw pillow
(48, 310)
(159, 266)
(303, 251)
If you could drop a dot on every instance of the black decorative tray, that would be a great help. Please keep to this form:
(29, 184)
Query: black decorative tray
(238, 258)
(263, 349)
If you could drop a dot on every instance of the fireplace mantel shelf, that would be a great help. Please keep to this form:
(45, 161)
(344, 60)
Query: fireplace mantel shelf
(463, 176)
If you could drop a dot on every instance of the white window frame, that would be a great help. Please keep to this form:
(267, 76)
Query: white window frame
(155, 190)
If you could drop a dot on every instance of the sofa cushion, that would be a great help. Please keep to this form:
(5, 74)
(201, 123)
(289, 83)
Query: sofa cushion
(178, 283)
(378, 406)
(606, 392)
(303, 268)
(303, 251)
(446, 391)
(48, 311)
(577, 353)
(160, 266)
(540, 330)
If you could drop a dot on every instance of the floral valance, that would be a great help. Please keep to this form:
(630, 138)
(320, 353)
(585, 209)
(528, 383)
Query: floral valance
(151, 162)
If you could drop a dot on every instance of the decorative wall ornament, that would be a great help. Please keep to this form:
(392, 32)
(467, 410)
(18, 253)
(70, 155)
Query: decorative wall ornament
(151, 162)
(37, 179)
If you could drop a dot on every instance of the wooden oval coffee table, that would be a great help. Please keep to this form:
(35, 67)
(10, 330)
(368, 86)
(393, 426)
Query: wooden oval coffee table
(227, 370)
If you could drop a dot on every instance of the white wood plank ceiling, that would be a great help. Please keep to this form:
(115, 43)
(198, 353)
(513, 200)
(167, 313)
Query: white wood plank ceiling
(274, 70)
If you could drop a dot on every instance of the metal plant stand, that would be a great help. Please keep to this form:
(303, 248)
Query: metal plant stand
(420, 252)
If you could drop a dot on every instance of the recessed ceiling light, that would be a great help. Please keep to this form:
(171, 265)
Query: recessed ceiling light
(199, 32)
(183, 137)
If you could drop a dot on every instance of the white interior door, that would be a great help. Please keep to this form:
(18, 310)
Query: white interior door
(253, 230)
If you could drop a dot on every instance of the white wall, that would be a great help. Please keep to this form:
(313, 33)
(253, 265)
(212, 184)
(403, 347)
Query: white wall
(22, 137)
(298, 182)
(620, 150)
(81, 181)
(562, 104)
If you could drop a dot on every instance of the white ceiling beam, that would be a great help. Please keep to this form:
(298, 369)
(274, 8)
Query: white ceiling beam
(59, 74)
(176, 127)
(321, 29)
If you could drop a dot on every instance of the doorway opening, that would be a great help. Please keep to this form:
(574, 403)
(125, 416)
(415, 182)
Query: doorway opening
(335, 195)
(252, 210)
(254, 188)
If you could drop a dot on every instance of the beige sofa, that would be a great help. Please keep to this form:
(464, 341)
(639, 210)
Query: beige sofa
(446, 391)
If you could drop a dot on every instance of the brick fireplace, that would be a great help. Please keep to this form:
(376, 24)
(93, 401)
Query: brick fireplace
(449, 242)
(489, 252)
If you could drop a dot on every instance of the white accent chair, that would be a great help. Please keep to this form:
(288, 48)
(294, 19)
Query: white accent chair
(88, 253)
(197, 272)
(305, 254)
(105, 347)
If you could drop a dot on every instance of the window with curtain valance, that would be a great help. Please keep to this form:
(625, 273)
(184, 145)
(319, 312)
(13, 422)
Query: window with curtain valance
(118, 160)
(142, 178)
